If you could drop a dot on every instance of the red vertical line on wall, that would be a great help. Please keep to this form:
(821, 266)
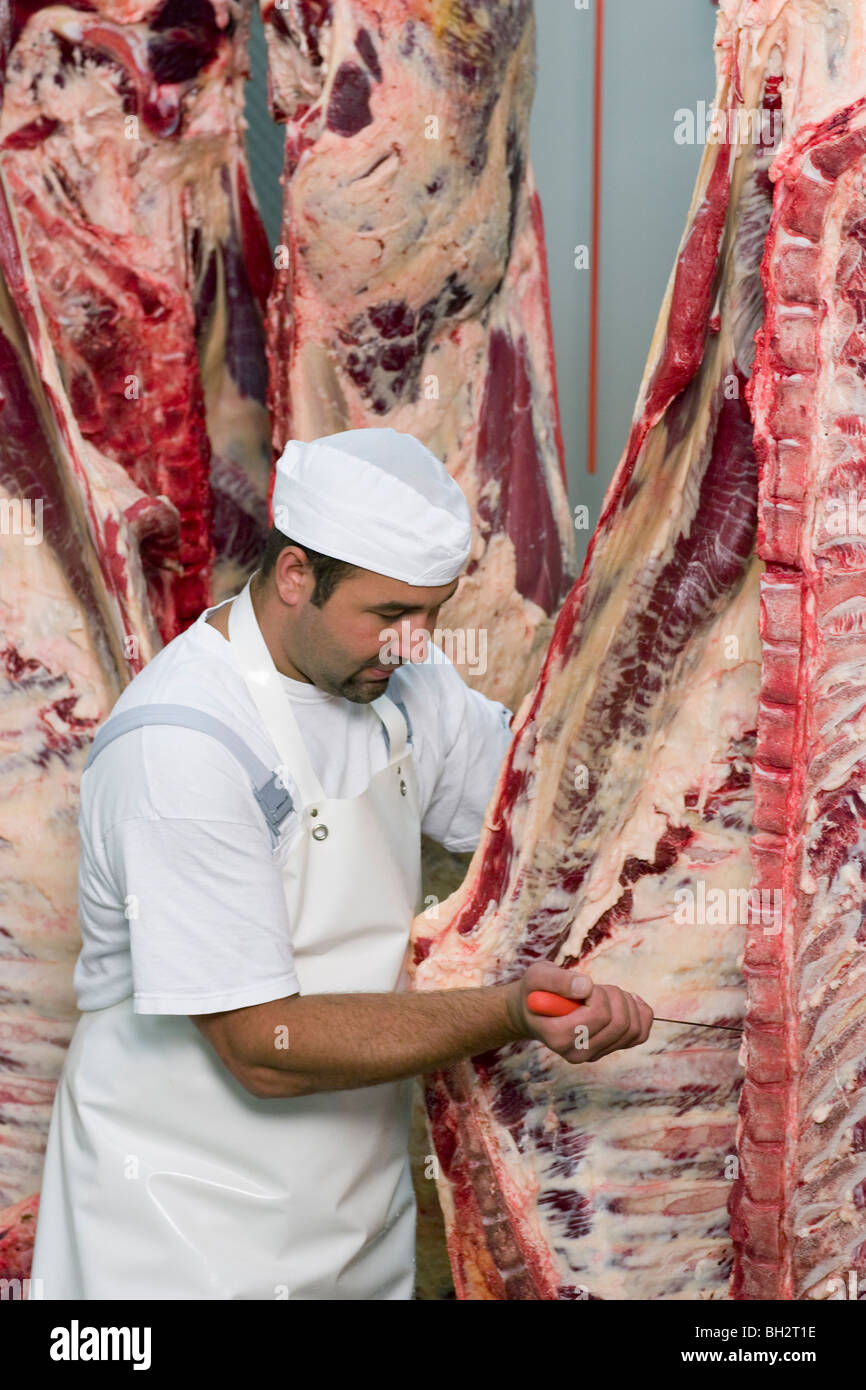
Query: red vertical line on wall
(594, 250)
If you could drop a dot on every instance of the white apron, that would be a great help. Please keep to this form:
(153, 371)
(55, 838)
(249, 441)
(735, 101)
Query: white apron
(164, 1178)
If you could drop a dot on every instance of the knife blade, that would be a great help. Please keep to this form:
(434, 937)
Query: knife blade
(694, 1023)
(542, 1001)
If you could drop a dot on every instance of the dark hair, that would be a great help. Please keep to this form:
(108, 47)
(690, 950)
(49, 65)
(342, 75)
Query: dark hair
(327, 572)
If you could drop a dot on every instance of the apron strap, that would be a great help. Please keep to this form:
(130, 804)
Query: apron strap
(395, 725)
(263, 682)
(269, 791)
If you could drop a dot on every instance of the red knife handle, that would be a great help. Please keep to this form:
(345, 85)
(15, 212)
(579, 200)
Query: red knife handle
(541, 1001)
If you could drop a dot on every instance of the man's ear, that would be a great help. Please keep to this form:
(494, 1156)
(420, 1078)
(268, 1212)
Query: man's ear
(293, 575)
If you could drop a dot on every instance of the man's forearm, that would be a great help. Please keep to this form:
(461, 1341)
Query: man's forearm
(336, 1042)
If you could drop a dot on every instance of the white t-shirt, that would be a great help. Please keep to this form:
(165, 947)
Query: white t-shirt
(180, 896)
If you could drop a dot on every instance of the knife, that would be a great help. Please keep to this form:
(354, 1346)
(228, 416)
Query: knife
(541, 1001)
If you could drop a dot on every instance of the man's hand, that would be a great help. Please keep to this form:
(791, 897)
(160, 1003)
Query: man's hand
(605, 1018)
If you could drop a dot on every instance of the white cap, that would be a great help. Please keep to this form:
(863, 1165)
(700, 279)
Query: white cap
(377, 498)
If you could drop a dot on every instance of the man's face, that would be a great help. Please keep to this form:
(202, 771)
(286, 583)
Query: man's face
(370, 625)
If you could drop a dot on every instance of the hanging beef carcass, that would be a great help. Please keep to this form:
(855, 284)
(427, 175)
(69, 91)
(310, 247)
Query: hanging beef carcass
(73, 611)
(121, 147)
(799, 1212)
(134, 446)
(667, 748)
(412, 288)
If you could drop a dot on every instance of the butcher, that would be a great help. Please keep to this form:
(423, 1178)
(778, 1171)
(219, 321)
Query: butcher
(232, 1117)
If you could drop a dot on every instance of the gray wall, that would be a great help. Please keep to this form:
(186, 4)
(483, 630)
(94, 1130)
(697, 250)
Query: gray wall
(265, 139)
(658, 56)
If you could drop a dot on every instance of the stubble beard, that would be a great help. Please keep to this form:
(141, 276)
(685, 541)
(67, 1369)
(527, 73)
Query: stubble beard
(362, 692)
